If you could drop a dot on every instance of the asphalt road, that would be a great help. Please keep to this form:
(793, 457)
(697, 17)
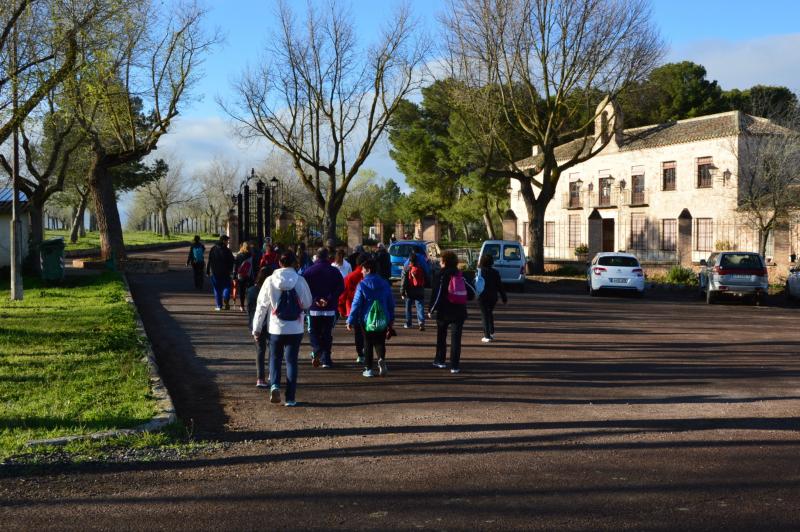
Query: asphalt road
(586, 414)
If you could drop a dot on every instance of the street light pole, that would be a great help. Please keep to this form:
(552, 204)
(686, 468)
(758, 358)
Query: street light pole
(16, 223)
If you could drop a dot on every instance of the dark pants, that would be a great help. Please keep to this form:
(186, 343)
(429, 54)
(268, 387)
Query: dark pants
(197, 269)
(487, 317)
(358, 333)
(321, 337)
(261, 351)
(374, 342)
(243, 285)
(457, 327)
(222, 289)
(284, 346)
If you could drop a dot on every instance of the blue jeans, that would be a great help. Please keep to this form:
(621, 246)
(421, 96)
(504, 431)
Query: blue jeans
(321, 337)
(420, 311)
(261, 351)
(222, 289)
(284, 346)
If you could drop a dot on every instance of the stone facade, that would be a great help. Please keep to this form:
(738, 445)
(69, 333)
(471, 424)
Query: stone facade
(667, 193)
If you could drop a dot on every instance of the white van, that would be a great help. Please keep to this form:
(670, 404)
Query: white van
(509, 260)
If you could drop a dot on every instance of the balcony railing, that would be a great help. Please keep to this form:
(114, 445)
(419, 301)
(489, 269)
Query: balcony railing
(570, 201)
(634, 198)
(609, 198)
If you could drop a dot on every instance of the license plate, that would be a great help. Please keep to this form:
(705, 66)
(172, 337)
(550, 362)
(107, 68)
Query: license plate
(619, 280)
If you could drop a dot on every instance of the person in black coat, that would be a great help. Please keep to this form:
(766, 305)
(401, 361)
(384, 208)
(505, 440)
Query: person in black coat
(219, 269)
(449, 315)
(487, 300)
(384, 261)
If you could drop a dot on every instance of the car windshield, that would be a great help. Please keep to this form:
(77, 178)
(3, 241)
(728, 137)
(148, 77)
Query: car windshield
(740, 261)
(624, 262)
(512, 253)
(404, 250)
(493, 250)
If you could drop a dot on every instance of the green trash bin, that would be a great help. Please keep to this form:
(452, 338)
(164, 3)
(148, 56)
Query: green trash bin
(51, 253)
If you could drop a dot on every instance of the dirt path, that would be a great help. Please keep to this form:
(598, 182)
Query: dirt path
(586, 414)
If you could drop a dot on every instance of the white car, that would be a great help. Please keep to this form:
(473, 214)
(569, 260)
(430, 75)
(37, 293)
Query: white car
(615, 271)
(793, 285)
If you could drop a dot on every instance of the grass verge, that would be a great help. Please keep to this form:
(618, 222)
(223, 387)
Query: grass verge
(70, 361)
(131, 238)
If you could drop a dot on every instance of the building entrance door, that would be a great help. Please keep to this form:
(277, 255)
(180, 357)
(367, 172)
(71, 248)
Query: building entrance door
(608, 234)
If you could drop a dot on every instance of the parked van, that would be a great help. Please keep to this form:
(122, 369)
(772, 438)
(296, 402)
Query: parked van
(400, 250)
(509, 260)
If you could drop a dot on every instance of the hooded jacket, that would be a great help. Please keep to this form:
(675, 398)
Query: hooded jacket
(372, 288)
(269, 296)
(220, 261)
(325, 282)
(350, 286)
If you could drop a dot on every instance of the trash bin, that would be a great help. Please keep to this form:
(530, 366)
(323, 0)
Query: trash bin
(51, 253)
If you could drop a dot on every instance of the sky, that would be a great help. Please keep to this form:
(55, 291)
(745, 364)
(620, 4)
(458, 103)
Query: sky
(740, 42)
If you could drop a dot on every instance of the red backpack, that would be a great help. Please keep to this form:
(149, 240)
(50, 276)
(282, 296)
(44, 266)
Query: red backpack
(245, 269)
(416, 277)
(457, 290)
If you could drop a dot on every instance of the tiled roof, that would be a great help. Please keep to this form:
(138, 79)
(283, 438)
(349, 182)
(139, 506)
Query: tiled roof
(677, 132)
(6, 194)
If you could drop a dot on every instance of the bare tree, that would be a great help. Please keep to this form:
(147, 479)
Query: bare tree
(540, 68)
(170, 189)
(217, 185)
(126, 95)
(768, 180)
(324, 100)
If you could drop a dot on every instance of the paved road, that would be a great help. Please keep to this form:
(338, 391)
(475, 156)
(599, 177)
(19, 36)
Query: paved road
(607, 413)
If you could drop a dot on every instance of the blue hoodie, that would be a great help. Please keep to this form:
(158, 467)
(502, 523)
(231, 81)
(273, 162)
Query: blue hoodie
(373, 287)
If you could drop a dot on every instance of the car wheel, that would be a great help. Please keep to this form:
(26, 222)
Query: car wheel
(758, 300)
(788, 293)
(592, 291)
(711, 297)
(522, 287)
(640, 294)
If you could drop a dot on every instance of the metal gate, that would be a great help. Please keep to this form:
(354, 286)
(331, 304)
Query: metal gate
(254, 211)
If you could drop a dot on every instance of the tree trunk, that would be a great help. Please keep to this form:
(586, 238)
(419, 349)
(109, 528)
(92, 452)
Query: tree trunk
(763, 237)
(536, 239)
(112, 245)
(451, 232)
(329, 222)
(36, 213)
(164, 224)
(77, 221)
(465, 227)
(487, 221)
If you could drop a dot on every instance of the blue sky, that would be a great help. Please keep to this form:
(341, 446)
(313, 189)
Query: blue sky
(740, 42)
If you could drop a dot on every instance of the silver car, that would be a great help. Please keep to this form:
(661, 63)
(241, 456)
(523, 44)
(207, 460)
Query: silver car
(741, 273)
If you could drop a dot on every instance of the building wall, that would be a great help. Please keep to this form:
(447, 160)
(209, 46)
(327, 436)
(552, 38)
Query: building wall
(5, 238)
(717, 203)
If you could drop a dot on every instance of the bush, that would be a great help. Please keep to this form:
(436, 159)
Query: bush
(581, 249)
(680, 275)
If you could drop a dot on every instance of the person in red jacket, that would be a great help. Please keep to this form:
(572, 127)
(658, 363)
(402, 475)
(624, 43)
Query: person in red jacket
(351, 283)
(269, 257)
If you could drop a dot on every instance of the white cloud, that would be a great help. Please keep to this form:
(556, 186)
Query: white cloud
(772, 60)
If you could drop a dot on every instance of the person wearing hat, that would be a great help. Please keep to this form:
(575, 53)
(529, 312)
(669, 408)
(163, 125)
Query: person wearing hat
(219, 269)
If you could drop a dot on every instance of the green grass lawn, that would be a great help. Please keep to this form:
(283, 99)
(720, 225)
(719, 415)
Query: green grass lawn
(70, 361)
(92, 238)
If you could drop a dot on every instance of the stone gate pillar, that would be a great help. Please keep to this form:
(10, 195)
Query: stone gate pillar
(685, 239)
(379, 236)
(399, 230)
(355, 230)
(781, 255)
(429, 228)
(232, 230)
(510, 226)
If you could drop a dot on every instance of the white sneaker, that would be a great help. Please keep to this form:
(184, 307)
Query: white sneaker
(486, 340)
(382, 369)
(406, 326)
(218, 309)
(439, 365)
(368, 373)
(290, 403)
(455, 370)
(275, 395)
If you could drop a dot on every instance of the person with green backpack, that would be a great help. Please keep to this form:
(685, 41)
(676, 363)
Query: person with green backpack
(373, 311)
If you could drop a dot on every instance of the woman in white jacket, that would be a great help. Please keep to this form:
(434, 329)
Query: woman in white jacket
(285, 294)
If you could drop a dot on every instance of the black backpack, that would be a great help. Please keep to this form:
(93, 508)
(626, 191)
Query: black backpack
(288, 308)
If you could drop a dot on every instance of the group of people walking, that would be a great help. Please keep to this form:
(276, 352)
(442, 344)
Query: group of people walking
(287, 293)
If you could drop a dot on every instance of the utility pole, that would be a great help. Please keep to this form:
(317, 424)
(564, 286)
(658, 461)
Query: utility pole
(16, 223)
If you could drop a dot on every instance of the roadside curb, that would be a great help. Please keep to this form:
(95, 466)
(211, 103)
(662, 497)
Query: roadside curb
(165, 409)
(94, 252)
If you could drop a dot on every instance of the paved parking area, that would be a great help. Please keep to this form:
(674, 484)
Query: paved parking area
(587, 413)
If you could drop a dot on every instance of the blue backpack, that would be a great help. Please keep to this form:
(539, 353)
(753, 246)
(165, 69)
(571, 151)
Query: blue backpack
(480, 283)
(288, 307)
(197, 253)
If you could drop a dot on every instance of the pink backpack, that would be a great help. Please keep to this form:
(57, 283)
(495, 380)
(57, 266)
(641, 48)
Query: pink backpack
(457, 290)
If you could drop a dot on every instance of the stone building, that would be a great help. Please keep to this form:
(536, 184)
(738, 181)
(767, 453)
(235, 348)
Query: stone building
(5, 226)
(666, 192)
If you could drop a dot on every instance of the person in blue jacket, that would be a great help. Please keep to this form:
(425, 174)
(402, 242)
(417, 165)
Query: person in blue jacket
(372, 288)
